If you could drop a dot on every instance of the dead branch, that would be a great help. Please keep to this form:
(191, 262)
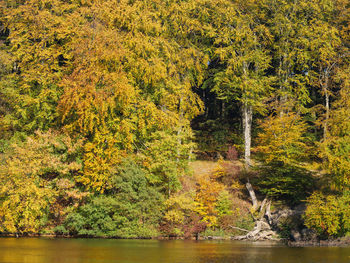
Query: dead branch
(241, 229)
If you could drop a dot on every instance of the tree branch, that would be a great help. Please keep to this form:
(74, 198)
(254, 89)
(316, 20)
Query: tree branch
(238, 228)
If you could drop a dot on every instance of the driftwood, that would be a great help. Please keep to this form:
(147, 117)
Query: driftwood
(268, 212)
(263, 221)
(241, 229)
(261, 231)
(263, 205)
(252, 196)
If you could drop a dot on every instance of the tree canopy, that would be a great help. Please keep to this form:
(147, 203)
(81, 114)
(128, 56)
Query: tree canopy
(104, 103)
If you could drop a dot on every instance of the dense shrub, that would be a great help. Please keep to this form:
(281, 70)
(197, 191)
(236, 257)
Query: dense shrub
(181, 217)
(232, 153)
(29, 172)
(329, 215)
(288, 183)
(132, 208)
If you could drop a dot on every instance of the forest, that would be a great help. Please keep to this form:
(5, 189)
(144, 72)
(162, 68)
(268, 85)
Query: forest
(174, 118)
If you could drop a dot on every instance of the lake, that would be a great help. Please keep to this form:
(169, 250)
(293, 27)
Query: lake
(166, 251)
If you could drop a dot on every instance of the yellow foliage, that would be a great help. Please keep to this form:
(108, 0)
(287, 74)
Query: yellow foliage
(25, 202)
(68, 198)
(101, 157)
(178, 206)
(335, 149)
(222, 169)
(282, 138)
(219, 170)
(207, 195)
(25, 194)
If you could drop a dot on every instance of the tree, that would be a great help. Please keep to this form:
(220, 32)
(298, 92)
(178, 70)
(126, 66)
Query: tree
(166, 160)
(328, 215)
(335, 148)
(325, 44)
(28, 172)
(38, 35)
(240, 46)
(131, 79)
(288, 23)
(282, 139)
(130, 208)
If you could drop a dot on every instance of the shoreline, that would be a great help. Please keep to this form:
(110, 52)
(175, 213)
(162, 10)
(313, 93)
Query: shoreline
(339, 242)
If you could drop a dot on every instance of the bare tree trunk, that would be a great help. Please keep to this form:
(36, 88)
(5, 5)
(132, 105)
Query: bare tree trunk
(324, 83)
(247, 121)
(262, 206)
(247, 127)
(263, 227)
(252, 196)
(268, 212)
(326, 94)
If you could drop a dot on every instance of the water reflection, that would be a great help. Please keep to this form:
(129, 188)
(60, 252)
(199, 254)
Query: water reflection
(42, 250)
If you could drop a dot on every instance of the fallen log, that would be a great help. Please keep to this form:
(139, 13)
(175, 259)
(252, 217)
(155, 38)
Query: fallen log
(263, 228)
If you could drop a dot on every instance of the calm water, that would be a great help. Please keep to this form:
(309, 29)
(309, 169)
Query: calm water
(151, 251)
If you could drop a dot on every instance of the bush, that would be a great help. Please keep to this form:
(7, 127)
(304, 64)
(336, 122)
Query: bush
(93, 219)
(131, 208)
(328, 215)
(28, 172)
(181, 218)
(284, 182)
(232, 153)
(224, 204)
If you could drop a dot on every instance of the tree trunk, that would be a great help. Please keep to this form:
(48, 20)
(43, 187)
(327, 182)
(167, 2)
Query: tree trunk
(325, 127)
(324, 82)
(263, 228)
(223, 109)
(247, 127)
(252, 196)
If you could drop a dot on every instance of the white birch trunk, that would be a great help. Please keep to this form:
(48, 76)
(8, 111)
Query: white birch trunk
(247, 127)
(324, 83)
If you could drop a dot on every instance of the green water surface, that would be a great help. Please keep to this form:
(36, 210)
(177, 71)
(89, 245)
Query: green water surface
(152, 251)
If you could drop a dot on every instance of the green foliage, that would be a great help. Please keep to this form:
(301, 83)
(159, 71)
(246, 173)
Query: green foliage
(335, 149)
(131, 209)
(94, 218)
(329, 215)
(99, 96)
(240, 46)
(224, 204)
(289, 183)
(166, 157)
(140, 204)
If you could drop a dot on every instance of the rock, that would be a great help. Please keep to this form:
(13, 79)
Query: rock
(308, 234)
(296, 236)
